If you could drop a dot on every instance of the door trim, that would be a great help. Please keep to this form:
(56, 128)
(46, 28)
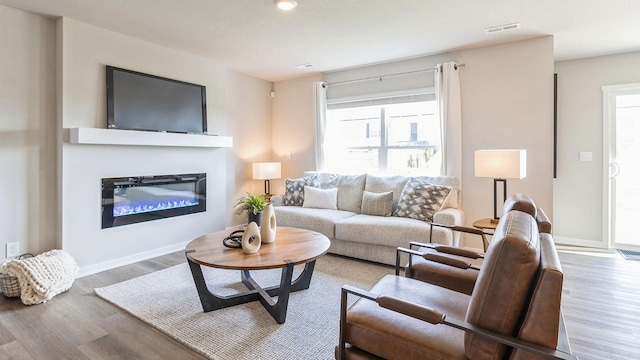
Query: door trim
(609, 94)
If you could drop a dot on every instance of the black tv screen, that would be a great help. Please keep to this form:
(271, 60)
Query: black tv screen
(137, 101)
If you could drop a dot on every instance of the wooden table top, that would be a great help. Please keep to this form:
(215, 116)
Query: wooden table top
(297, 245)
(485, 224)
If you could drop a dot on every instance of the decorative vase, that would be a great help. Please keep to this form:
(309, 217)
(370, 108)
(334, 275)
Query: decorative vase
(251, 239)
(256, 218)
(268, 225)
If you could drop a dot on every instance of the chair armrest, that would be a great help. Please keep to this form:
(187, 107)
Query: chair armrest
(442, 259)
(435, 317)
(417, 311)
(277, 200)
(464, 229)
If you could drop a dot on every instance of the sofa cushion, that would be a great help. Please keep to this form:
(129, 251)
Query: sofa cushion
(420, 200)
(379, 184)
(320, 220)
(453, 200)
(377, 204)
(294, 189)
(350, 189)
(389, 231)
(327, 180)
(320, 198)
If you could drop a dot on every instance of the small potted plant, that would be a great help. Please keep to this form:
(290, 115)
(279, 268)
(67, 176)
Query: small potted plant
(253, 204)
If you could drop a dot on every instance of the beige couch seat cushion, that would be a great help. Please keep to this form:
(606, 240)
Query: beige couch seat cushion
(320, 220)
(392, 335)
(390, 231)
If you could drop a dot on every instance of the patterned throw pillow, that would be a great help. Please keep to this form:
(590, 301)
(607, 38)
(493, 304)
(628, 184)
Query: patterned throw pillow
(421, 200)
(378, 204)
(294, 189)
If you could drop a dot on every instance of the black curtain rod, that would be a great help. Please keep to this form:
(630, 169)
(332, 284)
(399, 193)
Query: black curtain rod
(456, 66)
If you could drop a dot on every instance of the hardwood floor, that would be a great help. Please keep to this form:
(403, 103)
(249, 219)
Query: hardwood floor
(601, 304)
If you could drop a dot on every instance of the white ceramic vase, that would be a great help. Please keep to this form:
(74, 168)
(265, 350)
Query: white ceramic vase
(251, 240)
(268, 224)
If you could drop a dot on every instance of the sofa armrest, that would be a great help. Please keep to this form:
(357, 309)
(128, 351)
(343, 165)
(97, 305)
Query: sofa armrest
(449, 216)
(277, 200)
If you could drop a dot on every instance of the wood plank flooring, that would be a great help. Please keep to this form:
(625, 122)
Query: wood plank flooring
(601, 303)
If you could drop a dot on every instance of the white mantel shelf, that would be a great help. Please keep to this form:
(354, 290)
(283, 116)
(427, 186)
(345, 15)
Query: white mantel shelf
(145, 138)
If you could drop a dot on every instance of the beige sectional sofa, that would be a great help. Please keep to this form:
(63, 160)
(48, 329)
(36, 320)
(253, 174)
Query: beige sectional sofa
(358, 220)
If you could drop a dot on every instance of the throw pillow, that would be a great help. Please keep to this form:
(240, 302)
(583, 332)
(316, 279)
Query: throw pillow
(350, 188)
(294, 189)
(320, 198)
(378, 204)
(421, 200)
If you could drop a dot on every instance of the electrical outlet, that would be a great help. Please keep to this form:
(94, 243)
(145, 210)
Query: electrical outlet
(13, 249)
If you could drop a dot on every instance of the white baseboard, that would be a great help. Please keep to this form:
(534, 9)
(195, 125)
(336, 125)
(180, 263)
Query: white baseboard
(579, 242)
(130, 259)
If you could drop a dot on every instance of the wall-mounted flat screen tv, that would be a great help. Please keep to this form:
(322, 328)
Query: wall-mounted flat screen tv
(138, 101)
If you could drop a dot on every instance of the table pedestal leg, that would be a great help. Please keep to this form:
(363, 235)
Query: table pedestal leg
(277, 309)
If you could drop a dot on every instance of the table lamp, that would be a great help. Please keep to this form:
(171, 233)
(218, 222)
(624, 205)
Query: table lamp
(266, 171)
(500, 165)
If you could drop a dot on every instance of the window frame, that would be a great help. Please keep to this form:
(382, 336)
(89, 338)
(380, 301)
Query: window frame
(383, 148)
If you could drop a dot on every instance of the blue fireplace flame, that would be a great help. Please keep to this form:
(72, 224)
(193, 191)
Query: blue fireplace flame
(139, 208)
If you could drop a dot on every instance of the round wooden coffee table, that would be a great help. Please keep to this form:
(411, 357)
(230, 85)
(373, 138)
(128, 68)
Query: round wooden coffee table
(292, 247)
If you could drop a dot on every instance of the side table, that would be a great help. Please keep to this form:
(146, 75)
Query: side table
(485, 224)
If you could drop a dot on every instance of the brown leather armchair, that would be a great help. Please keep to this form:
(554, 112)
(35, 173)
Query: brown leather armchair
(457, 268)
(512, 313)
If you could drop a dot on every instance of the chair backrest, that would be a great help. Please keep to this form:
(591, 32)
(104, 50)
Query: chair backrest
(522, 202)
(504, 284)
(542, 318)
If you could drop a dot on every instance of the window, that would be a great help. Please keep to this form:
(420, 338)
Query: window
(398, 135)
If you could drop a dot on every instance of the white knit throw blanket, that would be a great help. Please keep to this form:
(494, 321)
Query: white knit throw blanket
(42, 277)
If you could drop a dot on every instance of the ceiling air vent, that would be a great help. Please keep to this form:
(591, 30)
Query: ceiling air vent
(305, 66)
(501, 28)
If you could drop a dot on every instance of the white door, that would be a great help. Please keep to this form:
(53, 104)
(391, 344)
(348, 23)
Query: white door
(622, 165)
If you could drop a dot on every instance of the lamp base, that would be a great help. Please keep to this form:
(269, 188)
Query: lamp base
(495, 221)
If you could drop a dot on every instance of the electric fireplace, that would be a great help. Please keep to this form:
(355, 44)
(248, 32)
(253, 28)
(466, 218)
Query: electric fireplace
(130, 200)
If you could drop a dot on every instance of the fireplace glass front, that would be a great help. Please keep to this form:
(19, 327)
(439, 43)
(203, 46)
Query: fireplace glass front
(129, 200)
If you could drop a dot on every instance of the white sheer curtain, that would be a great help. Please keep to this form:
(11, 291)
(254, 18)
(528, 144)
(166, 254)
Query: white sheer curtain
(320, 118)
(447, 84)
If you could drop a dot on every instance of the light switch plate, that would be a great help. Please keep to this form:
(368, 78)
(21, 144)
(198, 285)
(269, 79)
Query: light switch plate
(586, 156)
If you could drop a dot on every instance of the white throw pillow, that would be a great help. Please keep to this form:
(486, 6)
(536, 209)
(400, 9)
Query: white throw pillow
(320, 198)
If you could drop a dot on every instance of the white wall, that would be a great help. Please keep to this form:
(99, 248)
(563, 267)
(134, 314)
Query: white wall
(507, 102)
(578, 187)
(53, 77)
(249, 120)
(293, 128)
(28, 182)
(85, 51)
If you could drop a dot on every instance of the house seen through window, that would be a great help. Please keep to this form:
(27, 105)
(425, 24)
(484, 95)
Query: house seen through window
(389, 136)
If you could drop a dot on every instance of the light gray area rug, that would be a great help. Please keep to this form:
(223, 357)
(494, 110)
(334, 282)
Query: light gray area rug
(168, 300)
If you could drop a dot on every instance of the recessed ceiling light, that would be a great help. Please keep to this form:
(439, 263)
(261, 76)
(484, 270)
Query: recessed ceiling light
(501, 28)
(304, 66)
(286, 5)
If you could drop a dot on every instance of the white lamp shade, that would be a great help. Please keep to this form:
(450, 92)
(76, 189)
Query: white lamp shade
(266, 170)
(501, 164)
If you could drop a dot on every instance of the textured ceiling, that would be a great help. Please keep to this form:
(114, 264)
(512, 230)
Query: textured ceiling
(255, 38)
